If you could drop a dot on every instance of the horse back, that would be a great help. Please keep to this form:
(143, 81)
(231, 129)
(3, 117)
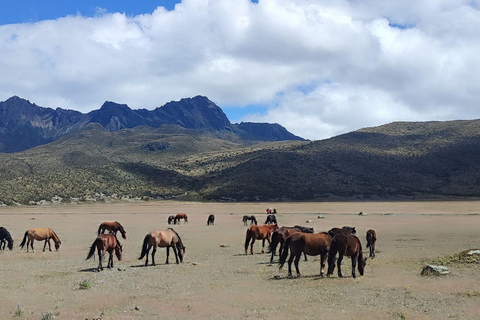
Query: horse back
(347, 244)
(316, 243)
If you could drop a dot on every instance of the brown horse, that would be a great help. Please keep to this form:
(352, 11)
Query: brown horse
(179, 217)
(163, 238)
(279, 236)
(312, 244)
(113, 227)
(346, 245)
(344, 230)
(41, 234)
(106, 243)
(262, 232)
(371, 240)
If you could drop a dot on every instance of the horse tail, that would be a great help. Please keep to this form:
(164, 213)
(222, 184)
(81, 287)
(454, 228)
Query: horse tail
(99, 229)
(24, 239)
(122, 231)
(284, 255)
(332, 253)
(248, 236)
(92, 248)
(145, 246)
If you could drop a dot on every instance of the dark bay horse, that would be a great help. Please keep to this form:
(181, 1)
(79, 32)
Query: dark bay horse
(41, 234)
(346, 245)
(262, 232)
(371, 240)
(312, 244)
(211, 220)
(345, 230)
(113, 227)
(251, 218)
(304, 229)
(5, 238)
(179, 217)
(163, 238)
(106, 243)
(171, 219)
(280, 235)
(271, 219)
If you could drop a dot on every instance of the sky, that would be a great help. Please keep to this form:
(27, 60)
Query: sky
(319, 68)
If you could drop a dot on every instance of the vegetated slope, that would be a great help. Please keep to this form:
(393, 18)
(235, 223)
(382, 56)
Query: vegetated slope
(396, 160)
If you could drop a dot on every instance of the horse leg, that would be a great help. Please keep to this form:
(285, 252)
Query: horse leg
(45, 245)
(110, 260)
(323, 258)
(273, 248)
(168, 253)
(174, 248)
(372, 251)
(297, 259)
(290, 260)
(339, 263)
(251, 245)
(100, 258)
(154, 250)
(354, 264)
(305, 256)
(31, 245)
(148, 251)
(49, 246)
(263, 245)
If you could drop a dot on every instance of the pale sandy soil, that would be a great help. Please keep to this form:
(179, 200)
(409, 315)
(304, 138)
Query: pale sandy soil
(218, 281)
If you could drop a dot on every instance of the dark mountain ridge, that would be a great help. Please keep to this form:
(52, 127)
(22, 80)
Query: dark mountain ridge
(24, 125)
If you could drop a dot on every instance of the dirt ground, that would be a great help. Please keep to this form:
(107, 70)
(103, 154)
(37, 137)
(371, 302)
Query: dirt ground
(218, 281)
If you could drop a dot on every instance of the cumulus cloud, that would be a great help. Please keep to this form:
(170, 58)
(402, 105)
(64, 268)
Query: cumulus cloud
(321, 68)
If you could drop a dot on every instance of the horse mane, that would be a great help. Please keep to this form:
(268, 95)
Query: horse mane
(178, 236)
(55, 236)
(121, 227)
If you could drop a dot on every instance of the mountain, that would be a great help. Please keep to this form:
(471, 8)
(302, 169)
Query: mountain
(24, 125)
(403, 160)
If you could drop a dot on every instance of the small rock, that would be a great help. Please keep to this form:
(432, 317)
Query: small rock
(308, 221)
(474, 253)
(431, 270)
(321, 216)
(137, 308)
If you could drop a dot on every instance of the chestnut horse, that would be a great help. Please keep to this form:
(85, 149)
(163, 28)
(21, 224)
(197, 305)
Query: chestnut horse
(41, 234)
(262, 232)
(163, 238)
(346, 245)
(113, 227)
(312, 244)
(371, 239)
(179, 217)
(279, 236)
(106, 243)
(4, 238)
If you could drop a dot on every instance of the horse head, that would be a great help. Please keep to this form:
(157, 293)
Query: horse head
(57, 245)
(118, 252)
(361, 265)
(181, 251)
(10, 243)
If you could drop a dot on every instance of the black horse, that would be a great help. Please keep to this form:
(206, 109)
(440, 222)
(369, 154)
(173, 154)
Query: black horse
(4, 238)
(171, 219)
(304, 229)
(251, 218)
(271, 219)
(211, 220)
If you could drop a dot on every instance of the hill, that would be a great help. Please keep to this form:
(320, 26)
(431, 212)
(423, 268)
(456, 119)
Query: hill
(397, 160)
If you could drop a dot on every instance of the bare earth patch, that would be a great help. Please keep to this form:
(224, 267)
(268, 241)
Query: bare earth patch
(218, 281)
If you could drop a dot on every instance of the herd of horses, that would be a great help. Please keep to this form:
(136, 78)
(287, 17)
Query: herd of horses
(296, 240)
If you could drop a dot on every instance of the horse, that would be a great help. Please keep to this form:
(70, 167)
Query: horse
(346, 245)
(113, 227)
(106, 243)
(211, 220)
(180, 216)
(163, 238)
(4, 238)
(344, 230)
(259, 233)
(304, 229)
(271, 219)
(171, 219)
(371, 239)
(280, 235)
(41, 234)
(251, 218)
(307, 243)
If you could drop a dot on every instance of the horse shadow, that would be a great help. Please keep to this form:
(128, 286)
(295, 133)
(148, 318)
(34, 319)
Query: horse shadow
(89, 270)
(313, 277)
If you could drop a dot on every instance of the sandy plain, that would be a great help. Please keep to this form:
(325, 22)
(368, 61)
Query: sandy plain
(218, 281)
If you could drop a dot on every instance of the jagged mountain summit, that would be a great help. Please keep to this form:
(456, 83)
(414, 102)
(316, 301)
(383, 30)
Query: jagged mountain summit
(24, 125)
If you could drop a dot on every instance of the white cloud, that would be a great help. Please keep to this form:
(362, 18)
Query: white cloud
(322, 67)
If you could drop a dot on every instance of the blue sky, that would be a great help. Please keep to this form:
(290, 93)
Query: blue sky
(319, 68)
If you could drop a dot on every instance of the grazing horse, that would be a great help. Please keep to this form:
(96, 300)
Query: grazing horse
(304, 229)
(106, 243)
(171, 219)
(163, 238)
(345, 230)
(371, 239)
(307, 243)
(251, 218)
(113, 227)
(280, 235)
(211, 220)
(4, 238)
(259, 233)
(346, 245)
(180, 216)
(41, 234)
(271, 219)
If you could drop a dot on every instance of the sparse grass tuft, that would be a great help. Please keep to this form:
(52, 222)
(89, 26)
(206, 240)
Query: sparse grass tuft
(85, 285)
